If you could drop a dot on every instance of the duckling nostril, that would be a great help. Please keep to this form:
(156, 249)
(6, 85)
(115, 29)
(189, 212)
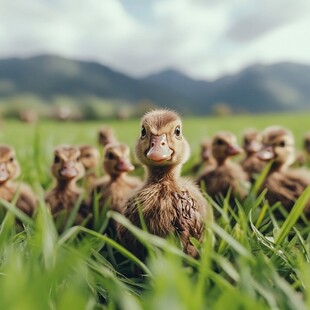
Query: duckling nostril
(152, 144)
(163, 143)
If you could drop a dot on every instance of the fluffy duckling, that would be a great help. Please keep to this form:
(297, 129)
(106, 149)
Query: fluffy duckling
(169, 204)
(106, 135)
(116, 188)
(206, 158)
(226, 174)
(90, 158)
(252, 143)
(284, 184)
(9, 170)
(67, 169)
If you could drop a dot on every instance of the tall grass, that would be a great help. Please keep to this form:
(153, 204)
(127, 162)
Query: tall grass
(248, 259)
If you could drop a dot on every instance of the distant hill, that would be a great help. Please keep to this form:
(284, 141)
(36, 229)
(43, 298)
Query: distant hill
(258, 88)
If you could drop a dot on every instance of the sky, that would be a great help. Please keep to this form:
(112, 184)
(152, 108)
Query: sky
(204, 39)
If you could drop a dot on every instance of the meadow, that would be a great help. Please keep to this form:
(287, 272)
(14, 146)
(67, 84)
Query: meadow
(248, 260)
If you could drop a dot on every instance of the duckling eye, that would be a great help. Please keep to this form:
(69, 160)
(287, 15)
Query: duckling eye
(11, 159)
(177, 131)
(56, 159)
(78, 159)
(219, 142)
(282, 143)
(110, 156)
(143, 132)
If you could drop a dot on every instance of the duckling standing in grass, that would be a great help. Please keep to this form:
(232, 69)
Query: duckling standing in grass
(90, 158)
(284, 184)
(67, 169)
(252, 143)
(169, 204)
(226, 174)
(10, 170)
(207, 160)
(106, 135)
(115, 188)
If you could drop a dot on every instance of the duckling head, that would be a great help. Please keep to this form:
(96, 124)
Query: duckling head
(9, 167)
(278, 145)
(161, 142)
(106, 135)
(252, 141)
(224, 145)
(117, 159)
(67, 165)
(90, 156)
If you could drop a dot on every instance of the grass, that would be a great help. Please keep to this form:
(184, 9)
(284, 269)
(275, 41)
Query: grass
(248, 260)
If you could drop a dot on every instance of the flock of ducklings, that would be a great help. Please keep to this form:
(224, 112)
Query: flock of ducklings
(169, 203)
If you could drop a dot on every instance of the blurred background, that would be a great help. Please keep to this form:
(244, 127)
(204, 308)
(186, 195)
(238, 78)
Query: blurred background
(97, 59)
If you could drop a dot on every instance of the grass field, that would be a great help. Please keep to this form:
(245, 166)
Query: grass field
(248, 259)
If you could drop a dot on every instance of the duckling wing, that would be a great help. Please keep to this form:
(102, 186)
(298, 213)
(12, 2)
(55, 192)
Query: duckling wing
(188, 221)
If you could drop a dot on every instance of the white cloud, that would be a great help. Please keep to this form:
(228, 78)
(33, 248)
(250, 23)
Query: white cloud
(204, 38)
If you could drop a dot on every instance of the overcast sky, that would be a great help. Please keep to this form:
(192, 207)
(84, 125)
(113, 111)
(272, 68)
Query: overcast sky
(202, 38)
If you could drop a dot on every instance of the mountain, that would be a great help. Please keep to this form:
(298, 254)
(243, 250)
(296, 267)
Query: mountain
(258, 88)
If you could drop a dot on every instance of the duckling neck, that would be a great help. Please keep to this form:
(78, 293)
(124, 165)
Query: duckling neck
(117, 177)
(222, 161)
(277, 167)
(63, 185)
(163, 173)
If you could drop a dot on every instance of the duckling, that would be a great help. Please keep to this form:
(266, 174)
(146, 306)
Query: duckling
(90, 157)
(206, 159)
(116, 189)
(10, 170)
(284, 184)
(67, 169)
(106, 135)
(252, 143)
(168, 203)
(226, 174)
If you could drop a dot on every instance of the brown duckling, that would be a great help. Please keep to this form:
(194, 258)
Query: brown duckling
(252, 143)
(226, 174)
(67, 169)
(106, 135)
(10, 170)
(284, 184)
(117, 186)
(207, 160)
(90, 158)
(169, 204)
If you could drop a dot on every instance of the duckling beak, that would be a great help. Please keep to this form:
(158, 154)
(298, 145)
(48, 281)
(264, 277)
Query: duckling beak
(266, 154)
(234, 150)
(3, 173)
(159, 148)
(124, 165)
(68, 170)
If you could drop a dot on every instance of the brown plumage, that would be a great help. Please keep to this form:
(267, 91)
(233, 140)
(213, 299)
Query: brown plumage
(252, 143)
(284, 184)
(106, 135)
(90, 158)
(226, 174)
(169, 204)
(9, 171)
(115, 188)
(67, 169)
(207, 160)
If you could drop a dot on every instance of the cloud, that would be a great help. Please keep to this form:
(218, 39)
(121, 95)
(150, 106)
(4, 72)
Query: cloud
(265, 16)
(203, 38)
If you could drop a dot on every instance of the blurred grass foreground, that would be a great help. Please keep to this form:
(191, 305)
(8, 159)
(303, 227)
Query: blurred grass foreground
(249, 260)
